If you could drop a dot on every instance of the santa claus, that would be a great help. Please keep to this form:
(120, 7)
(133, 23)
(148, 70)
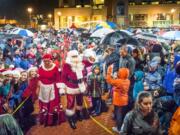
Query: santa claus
(73, 84)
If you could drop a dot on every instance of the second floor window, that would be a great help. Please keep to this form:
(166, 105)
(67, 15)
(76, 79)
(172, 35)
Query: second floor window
(98, 2)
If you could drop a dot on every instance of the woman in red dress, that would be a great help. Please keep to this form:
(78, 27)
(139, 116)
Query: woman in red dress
(49, 100)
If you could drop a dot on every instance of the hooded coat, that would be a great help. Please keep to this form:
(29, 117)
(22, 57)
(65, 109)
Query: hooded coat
(138, 85)
(175, 122)
(170, 76)
(121, 86)
(9, 126)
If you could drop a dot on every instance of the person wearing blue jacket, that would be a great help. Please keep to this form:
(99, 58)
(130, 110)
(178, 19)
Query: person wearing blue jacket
(177, 85)
(138, 85)
(170, 75)
(17, 96)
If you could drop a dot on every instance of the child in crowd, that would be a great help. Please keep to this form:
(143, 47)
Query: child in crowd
(16, 97)
(95, 89)
(152, 81)
(138, 85)
(120, 94)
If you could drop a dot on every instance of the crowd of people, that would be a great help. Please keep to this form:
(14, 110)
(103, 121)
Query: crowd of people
(142, 85)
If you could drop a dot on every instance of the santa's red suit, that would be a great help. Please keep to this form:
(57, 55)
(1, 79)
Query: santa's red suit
(73, 84)
(49, 99)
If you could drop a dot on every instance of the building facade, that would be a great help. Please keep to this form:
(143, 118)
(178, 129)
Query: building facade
(154, 14)
(87, 13)
(134, 13)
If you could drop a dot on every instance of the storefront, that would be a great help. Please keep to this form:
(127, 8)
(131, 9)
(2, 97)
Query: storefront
(163, 15)
(81, 17)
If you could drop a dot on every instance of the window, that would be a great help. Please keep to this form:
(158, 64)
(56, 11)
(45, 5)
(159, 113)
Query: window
(161, 16)
(97, 2)
(120, 9)
(65, 1)
(140, 17)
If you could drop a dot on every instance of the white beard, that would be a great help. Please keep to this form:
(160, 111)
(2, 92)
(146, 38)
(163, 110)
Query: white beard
(77, 68)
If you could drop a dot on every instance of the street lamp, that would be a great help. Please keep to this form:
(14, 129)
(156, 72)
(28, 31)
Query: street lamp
(172, 12)
(30, 12)
(59, 15)
(50, 18)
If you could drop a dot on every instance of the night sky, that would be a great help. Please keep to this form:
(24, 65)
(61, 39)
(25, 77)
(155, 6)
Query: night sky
(17, 9)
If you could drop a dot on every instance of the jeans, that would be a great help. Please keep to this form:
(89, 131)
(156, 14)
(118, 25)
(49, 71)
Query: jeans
(120, 112)
(97, 105)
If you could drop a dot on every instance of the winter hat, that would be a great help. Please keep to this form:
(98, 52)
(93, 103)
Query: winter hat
(95, 65)
(176, 58)
(31, 55)
(16, 73)
(153, 65)
(156, 59)
(7, 72)
(47, 56)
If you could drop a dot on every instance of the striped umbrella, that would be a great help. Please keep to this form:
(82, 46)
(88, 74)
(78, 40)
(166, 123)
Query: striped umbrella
(110, 25)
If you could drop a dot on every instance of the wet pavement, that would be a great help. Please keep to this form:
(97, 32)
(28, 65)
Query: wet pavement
(85, 127)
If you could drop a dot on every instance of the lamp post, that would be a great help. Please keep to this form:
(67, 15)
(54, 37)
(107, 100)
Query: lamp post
(50, 18)
(30, 12)
(59, 15)
(172, 12)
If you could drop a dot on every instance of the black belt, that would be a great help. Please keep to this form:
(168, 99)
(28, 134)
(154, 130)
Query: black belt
(75, 81)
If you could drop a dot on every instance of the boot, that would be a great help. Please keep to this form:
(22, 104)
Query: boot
(80, 115)
(72, 123)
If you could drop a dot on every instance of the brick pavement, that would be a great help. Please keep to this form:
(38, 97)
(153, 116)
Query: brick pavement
(86, 127)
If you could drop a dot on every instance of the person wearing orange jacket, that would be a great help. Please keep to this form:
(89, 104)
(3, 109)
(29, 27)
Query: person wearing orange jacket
(175, 122)
(120, 94)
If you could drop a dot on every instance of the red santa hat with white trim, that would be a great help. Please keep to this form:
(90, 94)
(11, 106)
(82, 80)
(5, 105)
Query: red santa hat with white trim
(7, 72)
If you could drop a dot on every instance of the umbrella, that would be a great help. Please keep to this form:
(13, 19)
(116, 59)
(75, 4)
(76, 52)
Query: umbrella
(151, 37)
(101, 32)
(8, 26)
(110, 25)
(23, 32)
(172, 35)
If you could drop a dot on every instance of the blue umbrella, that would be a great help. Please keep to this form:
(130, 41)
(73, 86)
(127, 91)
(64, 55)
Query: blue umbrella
(172, 35)
(110, 25)
(23, 32)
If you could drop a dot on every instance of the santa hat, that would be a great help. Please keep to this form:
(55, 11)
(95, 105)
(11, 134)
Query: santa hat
(89, 53)
(47, 56)
(16, 73)
(72, 53)
(31, 55)
(7, 72)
